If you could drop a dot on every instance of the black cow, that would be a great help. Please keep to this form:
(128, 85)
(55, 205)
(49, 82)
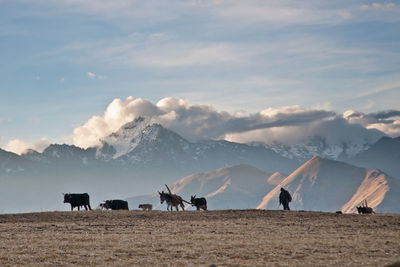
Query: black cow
(365, 210)
(199, 203)
(78, 200)
(115, 204)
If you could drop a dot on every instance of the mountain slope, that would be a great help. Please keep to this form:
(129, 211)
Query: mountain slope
(10, 163)
(235, 187)
(328, 185)
(384, 155)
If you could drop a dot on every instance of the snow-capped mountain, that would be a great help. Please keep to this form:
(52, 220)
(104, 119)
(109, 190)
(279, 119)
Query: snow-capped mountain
(329, 185)
(124, 140)
(142, 146)
(320, 146)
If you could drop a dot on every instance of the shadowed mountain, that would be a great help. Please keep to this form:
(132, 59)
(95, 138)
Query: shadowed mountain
(10, 163)
(384, 155)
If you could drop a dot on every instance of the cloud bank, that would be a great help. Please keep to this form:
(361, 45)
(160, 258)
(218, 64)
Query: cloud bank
(195, 122)
(19, 146)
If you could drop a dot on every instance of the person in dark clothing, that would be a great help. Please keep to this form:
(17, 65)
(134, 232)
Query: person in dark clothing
(284, 199)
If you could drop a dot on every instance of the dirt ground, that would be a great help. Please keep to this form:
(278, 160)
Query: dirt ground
(191, 238)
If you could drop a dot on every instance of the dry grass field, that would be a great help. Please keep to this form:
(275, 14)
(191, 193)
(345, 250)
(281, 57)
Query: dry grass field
(190, 238)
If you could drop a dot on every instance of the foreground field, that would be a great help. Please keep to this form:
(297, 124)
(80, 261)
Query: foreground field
(223, 238)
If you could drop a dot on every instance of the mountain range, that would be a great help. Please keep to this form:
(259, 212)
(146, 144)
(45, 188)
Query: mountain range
(140, 156)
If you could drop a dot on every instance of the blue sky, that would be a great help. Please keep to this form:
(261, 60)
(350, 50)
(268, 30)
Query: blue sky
(64, 61)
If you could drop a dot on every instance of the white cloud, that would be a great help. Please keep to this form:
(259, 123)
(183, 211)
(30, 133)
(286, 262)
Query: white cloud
(387, 121)
(91, 75)
(286, 125)
(378, 6)
(191, 121)
(144, 51)
(19, 146)
(184, 55)
(117, 114)
(94, 76)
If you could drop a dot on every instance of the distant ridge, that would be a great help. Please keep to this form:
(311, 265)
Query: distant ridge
(384, 155)
(236, 187)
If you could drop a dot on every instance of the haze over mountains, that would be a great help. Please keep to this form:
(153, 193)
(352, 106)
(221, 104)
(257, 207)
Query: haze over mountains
(140, 158)
(235, 187)
(318, 185)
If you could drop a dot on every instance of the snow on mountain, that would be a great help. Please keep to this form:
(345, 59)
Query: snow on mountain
(235, 187)
(126, 138)
(328, 185)
(142, 145)
(320, 146)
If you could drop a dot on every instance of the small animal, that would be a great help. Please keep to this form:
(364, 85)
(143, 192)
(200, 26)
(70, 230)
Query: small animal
(146, 206)
(115, 204)
(77, 200)
(199, 203)
(339, 212)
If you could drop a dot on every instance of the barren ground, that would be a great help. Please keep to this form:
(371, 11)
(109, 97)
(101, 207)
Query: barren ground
(190, 238)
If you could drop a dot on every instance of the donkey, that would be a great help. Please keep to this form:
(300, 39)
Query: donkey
(199, 203)
(172, 200)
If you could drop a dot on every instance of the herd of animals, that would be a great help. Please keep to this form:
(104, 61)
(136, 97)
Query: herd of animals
(172, 200)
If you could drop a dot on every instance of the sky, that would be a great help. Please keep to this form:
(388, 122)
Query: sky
(230, 68)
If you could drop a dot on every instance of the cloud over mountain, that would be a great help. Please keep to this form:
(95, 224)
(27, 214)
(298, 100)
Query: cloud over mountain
(387, 121)
(194, 122)
(19, 146)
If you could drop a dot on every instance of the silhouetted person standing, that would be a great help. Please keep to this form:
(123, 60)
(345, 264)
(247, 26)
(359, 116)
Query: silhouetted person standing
(284, 199)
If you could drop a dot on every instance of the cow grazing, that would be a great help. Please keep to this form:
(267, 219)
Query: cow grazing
(78, 200)
(115, 204)
(199, 203)
(365, 210)
(172, 200)
(146, 206)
